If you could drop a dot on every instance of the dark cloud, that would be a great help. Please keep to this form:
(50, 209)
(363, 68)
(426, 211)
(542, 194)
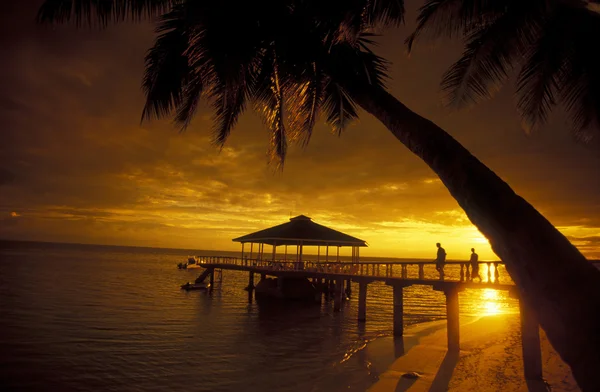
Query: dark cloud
(6, 177)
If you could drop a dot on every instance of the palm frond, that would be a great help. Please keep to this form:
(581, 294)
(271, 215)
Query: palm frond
(228, 105)
(189, 101)
(167, 68)
(540, 78)
(491, 52)
(451, 18)
(273, 114)
(339, 107)
(303, 103)
(384, 12)
(582, 100)
(267, 93)
(580, 80)
(101, 12)
(443, 18)
(374, 67)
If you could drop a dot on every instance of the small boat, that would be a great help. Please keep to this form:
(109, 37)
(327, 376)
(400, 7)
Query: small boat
(195, 286)
(193, 262)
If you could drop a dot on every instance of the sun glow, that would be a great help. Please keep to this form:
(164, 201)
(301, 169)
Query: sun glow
(490, 300)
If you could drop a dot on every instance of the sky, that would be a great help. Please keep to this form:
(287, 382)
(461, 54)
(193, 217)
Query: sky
(76, 164)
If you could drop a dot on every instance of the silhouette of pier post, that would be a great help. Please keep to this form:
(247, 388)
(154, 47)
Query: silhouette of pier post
(530, 339)
(362, 301)
(398, 309)
(337, 295)
(348, 288)
(251, 282)
(451, 291)
(250, 287)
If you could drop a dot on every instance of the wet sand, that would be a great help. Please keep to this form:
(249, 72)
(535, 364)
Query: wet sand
(490, 359)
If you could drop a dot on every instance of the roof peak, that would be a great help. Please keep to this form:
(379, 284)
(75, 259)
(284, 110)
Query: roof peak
(300, 217)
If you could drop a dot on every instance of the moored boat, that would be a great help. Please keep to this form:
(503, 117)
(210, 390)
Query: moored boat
(192, 263)
(195, 286)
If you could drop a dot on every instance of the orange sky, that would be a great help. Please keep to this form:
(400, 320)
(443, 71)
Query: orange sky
(76, 166)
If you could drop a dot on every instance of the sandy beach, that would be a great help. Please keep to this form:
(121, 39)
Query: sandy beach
(490, 359)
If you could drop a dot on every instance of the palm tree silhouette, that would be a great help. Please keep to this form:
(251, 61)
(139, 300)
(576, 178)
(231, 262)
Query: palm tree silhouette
(292, 59)
(549, 43)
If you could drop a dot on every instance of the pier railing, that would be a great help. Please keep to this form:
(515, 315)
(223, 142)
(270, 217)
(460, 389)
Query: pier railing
(414, 269)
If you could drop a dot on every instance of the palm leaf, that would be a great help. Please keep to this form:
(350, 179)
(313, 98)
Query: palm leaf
(580, 80)
(446, 18)
(339, 107)
(540, 77)
(90, 12)
(303, 102)
(268, 97)
(491, 51)
(451, 18)
(229, 103)
(189, 100)
(167, 68)
(384, 12)
(274, 111)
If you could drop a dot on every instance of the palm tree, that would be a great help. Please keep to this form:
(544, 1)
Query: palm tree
(549, 43)
(291, 60)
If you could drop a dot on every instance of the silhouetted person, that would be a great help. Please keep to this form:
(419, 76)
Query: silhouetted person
(474, 265)
(440, 260)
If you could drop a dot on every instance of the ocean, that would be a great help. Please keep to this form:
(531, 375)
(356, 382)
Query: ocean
(108, 318)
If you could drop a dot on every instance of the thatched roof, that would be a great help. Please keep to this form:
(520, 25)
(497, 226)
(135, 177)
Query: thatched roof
(301, 229)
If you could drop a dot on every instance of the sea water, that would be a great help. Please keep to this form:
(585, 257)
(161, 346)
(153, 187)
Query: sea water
(101, 318)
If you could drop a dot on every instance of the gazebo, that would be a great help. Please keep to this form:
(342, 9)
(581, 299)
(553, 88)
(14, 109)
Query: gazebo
(301, 231)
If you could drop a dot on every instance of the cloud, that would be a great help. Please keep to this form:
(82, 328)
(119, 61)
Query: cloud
(6, 177)
(76, 164)
(589, 245)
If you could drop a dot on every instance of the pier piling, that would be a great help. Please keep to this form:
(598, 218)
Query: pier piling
(452, 309)
(398, 310)
(348, 288)
(337, 295)
(251, 282)
(362, 301)
(530, 337)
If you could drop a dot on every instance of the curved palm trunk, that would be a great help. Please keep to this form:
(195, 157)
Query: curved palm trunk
(553, 277)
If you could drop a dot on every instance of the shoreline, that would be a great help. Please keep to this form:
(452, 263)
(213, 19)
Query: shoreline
(490, 359)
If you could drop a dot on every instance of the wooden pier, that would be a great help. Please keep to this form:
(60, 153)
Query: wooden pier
(363, 274)
(398, 276)
(337, 276)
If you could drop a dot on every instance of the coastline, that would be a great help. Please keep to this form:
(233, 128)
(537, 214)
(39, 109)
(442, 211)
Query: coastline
(490, 359)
